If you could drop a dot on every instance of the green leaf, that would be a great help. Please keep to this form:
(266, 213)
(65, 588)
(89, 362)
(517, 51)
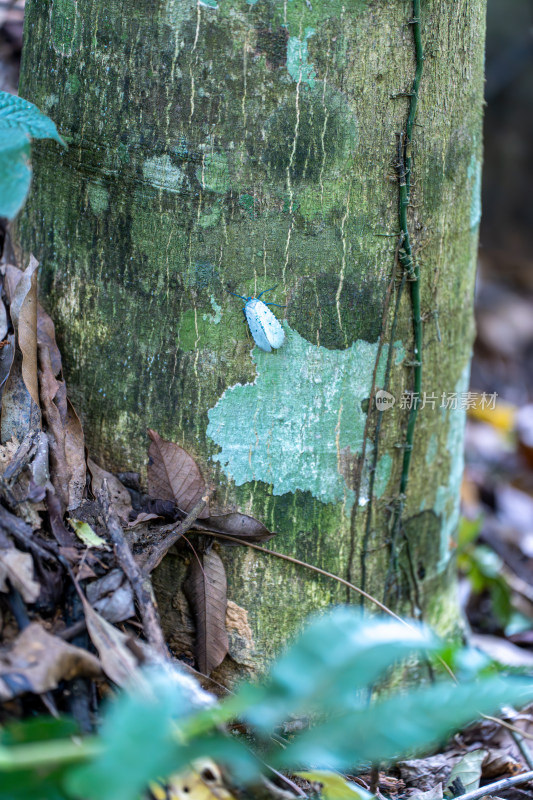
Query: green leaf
(141, 743)
(15, 175)
(468, 769)
(335, 787)
(19, 120)
(138, 740)
(402, 724)
(32, 785)
(337, 655)
(19, 114)
(84, 532)
(39, 729)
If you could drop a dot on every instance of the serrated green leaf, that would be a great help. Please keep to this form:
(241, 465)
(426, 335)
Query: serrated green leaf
(19, 114)
(402, 724)
(337, 656)
(334, 786)
(141, 743)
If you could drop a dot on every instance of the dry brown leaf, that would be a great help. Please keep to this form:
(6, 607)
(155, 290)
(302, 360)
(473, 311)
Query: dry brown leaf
(498, 763)
(46, 336)
(119, 497)
(24, 315)
(142, 517)
(75, 456)
(240, 526)
(17, 567)
(7, 354)
(206, 591)
(174, 475)
(36, 662)
(7, 451)
(112, 596)
(12, 276)
(19, 413)
(118, 661)
(59, 471)
(66, 440)
(425, 773)
(3, 321)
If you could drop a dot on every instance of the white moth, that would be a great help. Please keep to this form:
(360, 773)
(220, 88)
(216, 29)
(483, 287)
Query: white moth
(264, 327)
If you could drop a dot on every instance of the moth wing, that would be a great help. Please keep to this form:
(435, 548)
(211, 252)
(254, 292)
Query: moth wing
(256, 324)
(271, 326)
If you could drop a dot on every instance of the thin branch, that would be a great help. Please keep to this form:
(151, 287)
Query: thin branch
(140, 583)
(314, 569)
(351, 586)
(23, 533)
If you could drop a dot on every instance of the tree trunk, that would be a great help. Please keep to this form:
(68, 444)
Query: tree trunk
(250, 144)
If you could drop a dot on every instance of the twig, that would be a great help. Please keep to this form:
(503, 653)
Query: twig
(518, 736)
(490, 788)
(22, 456)
(73, 630)
(23, 533)
(314, 569)
(508, 726)
(141, 584)
(177, 531)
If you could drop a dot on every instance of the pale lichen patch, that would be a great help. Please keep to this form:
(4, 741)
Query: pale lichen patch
(162, 173)
(294, 426)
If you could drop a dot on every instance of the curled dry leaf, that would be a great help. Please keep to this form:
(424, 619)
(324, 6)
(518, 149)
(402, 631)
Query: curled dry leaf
(19, 413)
(174, 475)
(498, 763)
(119, 497)
(206, 591)
(12, 276)
(3, 321)
(66, 440)
(46, 336)
(37, 661)
(142, 517)
(75, 455)
(238, 525)
(50, 390)
(24, 315)
(112, 596)
(17, 568)
(7, 353)
(425, 773)
(118, 661)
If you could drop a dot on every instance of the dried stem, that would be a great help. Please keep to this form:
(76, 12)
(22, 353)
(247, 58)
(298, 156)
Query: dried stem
(140, 582)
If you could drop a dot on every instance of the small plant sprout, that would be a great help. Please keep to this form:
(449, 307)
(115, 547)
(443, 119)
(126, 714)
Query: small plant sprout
(264, 327)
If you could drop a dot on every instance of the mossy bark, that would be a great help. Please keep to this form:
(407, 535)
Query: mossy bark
(235, 147)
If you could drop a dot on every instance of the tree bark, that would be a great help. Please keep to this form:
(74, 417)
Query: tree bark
(248, 144)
